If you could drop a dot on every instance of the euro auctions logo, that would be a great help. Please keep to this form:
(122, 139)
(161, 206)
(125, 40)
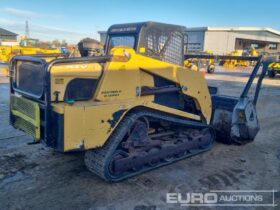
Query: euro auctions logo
(232, 198)
(192, 198)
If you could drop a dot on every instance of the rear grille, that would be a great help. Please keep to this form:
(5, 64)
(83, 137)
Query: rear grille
(30, 78)
(26, 116)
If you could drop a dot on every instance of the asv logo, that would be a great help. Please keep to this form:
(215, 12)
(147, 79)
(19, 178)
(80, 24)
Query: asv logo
(192, 198)
(82, 66)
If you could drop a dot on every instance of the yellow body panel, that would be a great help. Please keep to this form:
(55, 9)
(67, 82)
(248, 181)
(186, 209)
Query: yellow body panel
(88, 124)
(62, 74)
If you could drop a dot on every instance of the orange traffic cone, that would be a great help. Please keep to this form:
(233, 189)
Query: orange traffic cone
(203, 71)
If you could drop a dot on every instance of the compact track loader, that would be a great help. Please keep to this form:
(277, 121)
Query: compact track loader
(133, 110)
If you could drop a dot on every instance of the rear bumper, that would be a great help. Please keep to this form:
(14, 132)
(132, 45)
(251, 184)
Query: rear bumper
(55, 137)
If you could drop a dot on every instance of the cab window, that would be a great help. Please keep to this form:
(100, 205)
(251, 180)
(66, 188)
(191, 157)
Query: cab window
(128, 41)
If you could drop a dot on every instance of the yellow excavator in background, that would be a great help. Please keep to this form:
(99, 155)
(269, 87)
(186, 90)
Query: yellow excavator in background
(203, 63)
(235, 62)
(27, 46)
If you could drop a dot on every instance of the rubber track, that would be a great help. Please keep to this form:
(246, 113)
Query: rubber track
(97, 159)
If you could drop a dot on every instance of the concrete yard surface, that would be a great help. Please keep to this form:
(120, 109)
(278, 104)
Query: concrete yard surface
(33, 176)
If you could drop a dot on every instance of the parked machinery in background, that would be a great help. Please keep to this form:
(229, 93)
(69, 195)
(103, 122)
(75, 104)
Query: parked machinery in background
(27, 46)
(239, 62)
(201, 64)
(273, 69)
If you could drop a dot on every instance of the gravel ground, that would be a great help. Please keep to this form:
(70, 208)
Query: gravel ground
(36, 177)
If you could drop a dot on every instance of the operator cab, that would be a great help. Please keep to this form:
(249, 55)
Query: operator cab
(161, 41)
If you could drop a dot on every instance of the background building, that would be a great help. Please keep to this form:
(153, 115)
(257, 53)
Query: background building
(8, 37)
(223, 40)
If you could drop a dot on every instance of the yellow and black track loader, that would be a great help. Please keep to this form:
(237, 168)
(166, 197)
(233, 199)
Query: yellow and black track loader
(273, 69)
(135, 109)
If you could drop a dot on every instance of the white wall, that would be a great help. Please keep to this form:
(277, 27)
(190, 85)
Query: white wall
(258, 35)
(220, 42)
(223, 42)
(9, 43)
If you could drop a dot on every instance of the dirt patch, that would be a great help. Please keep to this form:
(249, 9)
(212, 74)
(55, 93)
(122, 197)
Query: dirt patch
(36, 177)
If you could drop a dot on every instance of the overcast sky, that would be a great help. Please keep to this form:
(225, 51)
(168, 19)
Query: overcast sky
(74, 20)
